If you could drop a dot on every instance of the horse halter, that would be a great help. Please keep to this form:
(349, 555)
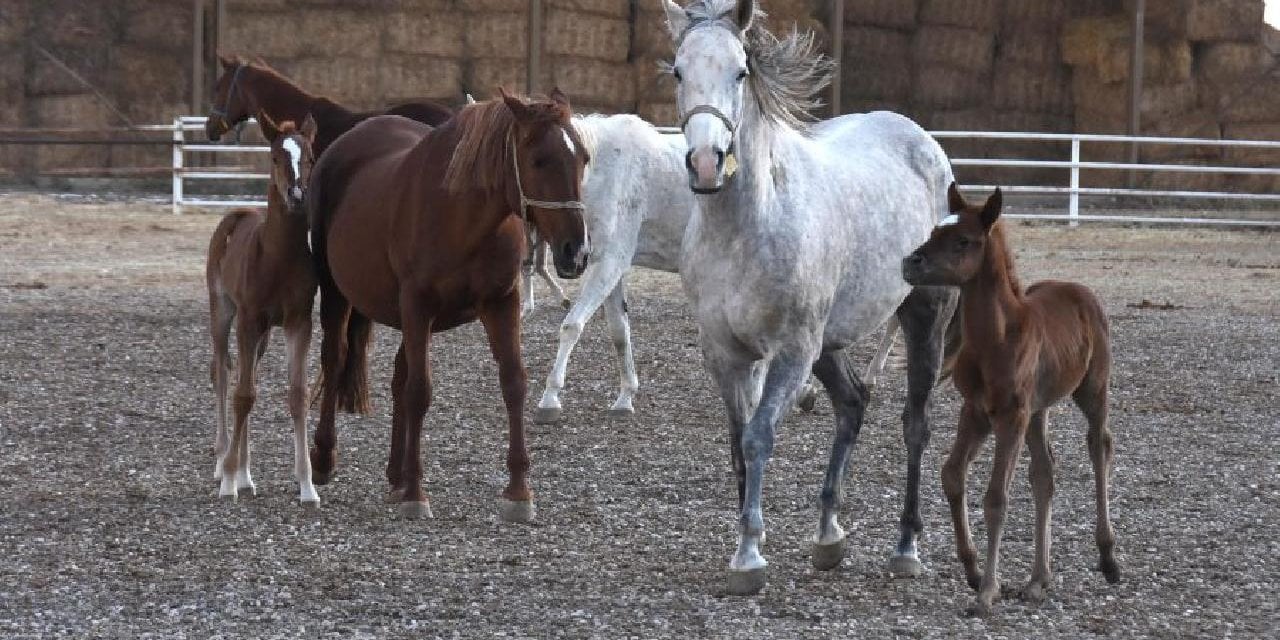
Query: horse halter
(730, 162)
(231, 93)
(526, 202)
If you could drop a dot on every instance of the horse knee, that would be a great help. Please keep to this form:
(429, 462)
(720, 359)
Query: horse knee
(756, 449)
(570, 329)
(952, 480)
(994, 501)
(297, 398)
(243, 401)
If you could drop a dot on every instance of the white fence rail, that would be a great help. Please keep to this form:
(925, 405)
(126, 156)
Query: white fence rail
(1074, 165)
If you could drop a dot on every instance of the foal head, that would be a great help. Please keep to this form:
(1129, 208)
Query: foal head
(955, 251)
(291, 157)
(530, 152)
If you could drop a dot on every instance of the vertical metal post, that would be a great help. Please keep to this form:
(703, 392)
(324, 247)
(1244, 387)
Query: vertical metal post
(837, 55)
(179, 137)
(197, 55)
(535, 46)
(1135, 80)
(1073, 202)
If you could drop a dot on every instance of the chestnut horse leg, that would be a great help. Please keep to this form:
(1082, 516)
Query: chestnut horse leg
(222, 314)
(502, 325)
(395, 460)
(849, 398)
(971, 432)
(297, 333)
(416, 399)
(1011, 431)
(1091, 397)
(251, 333)
(335, 311)
(1042, 485)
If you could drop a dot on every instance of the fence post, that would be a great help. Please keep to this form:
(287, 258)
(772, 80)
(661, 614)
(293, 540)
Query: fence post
(1073, 207)
(179, 137)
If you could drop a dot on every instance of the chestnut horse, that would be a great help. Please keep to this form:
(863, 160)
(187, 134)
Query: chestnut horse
(260, 275)
(423, 230)
(246, 88)
(1021, 354)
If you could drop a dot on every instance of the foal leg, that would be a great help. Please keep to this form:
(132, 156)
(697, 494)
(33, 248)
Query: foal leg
(597, 285)
(876, 367)
(222, 312)
(971, 432)
(1091, 397)
(615, 310)
(297, 334)
(502, 325)
(1011, 430)
(250, 333)
(849, 398)
(1042, 485)
(923, 316)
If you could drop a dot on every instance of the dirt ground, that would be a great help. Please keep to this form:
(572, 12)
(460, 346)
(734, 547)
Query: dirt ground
(110, 525)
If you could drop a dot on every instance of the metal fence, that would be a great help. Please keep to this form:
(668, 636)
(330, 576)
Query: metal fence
(182, 171)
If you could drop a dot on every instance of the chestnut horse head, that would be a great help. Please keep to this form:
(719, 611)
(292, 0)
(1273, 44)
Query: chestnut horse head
(231, 103)
(291, 158)
(956, 249)
(534, 149)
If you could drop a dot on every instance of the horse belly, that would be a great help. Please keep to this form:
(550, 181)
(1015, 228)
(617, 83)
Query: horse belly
(364, 276)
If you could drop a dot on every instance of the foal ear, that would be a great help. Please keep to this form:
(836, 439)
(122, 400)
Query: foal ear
(269, 128)
(677, 19)
(308, 129)
(558, 97)
(991, 210)
(746, 12)
(955, 201)
(227, 63)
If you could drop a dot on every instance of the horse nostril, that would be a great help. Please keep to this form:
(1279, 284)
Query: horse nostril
(719, 159)
(688, 160)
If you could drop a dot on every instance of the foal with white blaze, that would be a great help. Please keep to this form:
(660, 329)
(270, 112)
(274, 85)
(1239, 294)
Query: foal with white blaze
(794, 252)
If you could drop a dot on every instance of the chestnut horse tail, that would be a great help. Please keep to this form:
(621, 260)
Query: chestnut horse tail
(344, 358)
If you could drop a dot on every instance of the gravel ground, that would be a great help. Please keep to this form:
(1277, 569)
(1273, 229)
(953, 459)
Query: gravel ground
(111, 527)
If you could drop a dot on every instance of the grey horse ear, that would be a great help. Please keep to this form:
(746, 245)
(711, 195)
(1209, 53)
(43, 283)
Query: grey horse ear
(991, 210)
(677, 19)
(746, 13)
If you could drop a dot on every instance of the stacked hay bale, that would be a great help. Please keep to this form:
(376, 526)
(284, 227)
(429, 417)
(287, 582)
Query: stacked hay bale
(495, 47)
(877, 71)
(651, 46)
(1206, 73)
(14, 20)
(148, 75)
(586, 46)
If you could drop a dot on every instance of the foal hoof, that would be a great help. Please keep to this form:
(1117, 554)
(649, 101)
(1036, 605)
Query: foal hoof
(414, 510)
(808, 400)
(1035, 592)
(518, 511)
(546, 415)
(394, 496)
(1110, 570)
(621, 413)
(905, 566)
(310, 506)
(565, 304)
(320, 477)
(748, 582)
(978, 609)
(828, 556)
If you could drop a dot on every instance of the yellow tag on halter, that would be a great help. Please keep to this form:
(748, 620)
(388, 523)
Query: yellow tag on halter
(730, 165)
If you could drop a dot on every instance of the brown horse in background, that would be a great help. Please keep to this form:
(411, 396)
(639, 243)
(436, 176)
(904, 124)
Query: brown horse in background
(260, 275)
(246, 88)
(424, 230)
(1021, 354)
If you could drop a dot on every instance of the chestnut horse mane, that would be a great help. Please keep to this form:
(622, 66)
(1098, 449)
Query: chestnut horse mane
(482, 158)
(998, 243)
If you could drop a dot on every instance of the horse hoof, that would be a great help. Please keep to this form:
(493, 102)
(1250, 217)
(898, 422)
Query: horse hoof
(978, 609)
(622, 414)
(903, 566)
(414, 510)
(565, 304)
(320, 478)
(310, 506)
(546, 415)
(828, 556)
(1110, 570)
(807, 402)
(394, 496)
(747, 583)
(1034, 593)
(518, 511)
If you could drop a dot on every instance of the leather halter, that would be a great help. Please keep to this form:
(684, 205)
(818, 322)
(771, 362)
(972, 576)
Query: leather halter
(526, 202)
(231, 93)
(730, 161)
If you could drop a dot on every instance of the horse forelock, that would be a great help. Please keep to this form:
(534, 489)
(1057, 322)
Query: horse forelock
(482, 158)
(786, 74)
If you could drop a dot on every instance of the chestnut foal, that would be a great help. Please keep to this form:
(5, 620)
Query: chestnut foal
(1021, 353)
(260, 275)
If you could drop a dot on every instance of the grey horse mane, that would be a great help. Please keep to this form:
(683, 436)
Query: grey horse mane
(786, 73)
